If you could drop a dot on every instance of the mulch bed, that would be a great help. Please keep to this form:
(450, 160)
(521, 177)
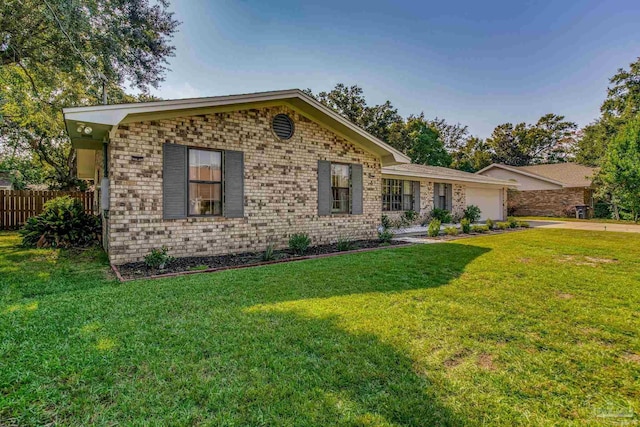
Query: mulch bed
(187, 265)
(446, 237)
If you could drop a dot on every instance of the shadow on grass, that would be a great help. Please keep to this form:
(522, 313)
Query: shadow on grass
(28, 273)
(209, 349)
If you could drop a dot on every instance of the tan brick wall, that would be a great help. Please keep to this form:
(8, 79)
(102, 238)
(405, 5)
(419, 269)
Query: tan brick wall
(546, 202)
(458, 203)
(280, 186)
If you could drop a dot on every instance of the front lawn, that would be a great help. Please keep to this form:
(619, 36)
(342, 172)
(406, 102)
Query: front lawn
(531, 328)
(562, 218)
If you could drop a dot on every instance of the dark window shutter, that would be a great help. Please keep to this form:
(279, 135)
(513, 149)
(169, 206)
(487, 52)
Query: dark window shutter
(174, 181)
(325, 196)
(416, 196)
(233, 184)
(436, 190)
(356, 189)
(449, 197)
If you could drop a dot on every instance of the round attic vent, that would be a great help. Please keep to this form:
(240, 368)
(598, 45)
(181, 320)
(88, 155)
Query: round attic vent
(282, 126)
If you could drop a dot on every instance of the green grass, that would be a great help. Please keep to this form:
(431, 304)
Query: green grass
(553, 218)
(538, 327)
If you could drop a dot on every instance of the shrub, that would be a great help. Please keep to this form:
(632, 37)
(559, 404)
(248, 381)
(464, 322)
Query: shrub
(385, 236)
(502, 225)
(512, 221)
(386, 222)
(490, 223)
(399, 222)
(434, 228)
(456, 217)
(602, 210)
(62, 224)
(524, 224)
(158, 258)
(409, 217)
(569, 212)
(299, 243)
(466, 225)
(345, 244)
(472, 213)
(451, 231)
(479, 229)
(425, 219)
(442, 215)
(268, 254)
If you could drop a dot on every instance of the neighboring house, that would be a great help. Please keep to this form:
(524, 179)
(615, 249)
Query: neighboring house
(229, 174)
(546, 190)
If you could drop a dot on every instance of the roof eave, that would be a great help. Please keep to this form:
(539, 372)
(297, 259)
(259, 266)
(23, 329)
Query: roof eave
(518, 171)
(413, 174)
(111, 116)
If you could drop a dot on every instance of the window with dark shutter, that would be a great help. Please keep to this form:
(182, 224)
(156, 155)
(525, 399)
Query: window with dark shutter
(233, 184)
(205, 182)
(399, 195)
(174, 181)
(340, 187)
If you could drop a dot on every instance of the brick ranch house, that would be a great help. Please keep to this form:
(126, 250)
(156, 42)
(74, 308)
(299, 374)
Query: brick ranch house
(230, 174)
(546, 190)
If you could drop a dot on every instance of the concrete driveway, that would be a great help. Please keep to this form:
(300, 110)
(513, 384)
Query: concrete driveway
(589, 226)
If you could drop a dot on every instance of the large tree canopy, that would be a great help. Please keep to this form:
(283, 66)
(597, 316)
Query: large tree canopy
(415, 136)
(126, 41)
(546, 141)
(419, 140)
(621, 105)
(58, 53)
(620, 172)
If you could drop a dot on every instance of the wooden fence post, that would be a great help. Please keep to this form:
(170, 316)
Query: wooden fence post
(2, 219)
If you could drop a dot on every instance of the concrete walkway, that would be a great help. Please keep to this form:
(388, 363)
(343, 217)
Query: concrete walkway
(587, 226)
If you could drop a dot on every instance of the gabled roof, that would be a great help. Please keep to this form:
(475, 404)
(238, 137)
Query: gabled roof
(102, 119)
(564, 174)
(444, 174)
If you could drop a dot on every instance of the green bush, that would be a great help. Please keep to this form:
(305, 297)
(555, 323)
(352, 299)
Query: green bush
(479, 229)
(434, 228)
(385, 236)
(602, 210)
(451, 231)
(62, 224)
(442, 215)
(345, 244)
(502, 225)
(268, 254)
(465, 223)
(524, 224)
(490, 223)
(472, 213)
(513, 222)
(409, 217)
(386, 222)
(158, 258)
(299, 243)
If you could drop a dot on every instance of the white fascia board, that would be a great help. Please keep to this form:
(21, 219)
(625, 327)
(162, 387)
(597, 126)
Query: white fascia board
(444, 178)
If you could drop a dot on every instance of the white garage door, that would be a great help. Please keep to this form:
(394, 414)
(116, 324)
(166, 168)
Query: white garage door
(489, 201)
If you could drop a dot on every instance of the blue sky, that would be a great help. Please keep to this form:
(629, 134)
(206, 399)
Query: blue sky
(480, 63)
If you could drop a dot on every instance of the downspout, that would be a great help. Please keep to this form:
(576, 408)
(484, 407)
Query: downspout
(104, 194)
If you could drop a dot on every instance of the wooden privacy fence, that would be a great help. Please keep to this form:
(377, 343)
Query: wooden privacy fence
(18, 205)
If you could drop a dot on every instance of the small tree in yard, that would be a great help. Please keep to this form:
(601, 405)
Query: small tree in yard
(620, 172)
